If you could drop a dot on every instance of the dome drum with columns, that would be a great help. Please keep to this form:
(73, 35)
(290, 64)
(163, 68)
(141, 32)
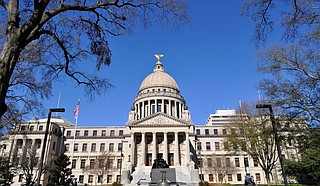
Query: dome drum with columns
(159, 92)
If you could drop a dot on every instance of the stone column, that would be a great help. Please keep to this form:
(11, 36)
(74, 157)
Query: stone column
(142, 106)
(176, 149)
(133, 145)
(170, 108)
(187, 149)
(137, 112)
(143, 146)
(149, 108)
(154, 146)
(175, 109)
(165, 150)
(162, 105)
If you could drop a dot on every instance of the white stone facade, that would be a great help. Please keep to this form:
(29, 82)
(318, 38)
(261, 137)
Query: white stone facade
(159, 126)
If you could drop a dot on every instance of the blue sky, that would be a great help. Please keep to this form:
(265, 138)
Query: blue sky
(212, 60)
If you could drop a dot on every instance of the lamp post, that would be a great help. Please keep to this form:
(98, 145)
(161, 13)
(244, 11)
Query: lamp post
(196, 143)
(276, 139)
(121, 159)
(45, 141)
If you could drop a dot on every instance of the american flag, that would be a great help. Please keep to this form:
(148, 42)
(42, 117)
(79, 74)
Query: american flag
(76, 111)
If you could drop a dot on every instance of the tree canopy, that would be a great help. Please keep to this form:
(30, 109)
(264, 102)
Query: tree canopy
(44, 40)
(291, 65)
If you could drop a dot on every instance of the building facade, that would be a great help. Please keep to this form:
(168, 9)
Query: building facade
(159, 126)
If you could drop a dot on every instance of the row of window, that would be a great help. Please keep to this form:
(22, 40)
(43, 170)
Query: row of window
(31, 128)
(93, 147)
(102, 163)
(100, 179)
(95, 133)
(226, 162)
(207, 132)
(229, 178)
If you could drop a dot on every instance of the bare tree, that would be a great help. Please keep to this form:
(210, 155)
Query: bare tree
(220, 166)
(252, 134)
(28, 166)
(100, 167)
(45, 40)
(292, 66)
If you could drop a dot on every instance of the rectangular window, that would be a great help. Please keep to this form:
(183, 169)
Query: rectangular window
(239, 177)
(119, 146)
(229, 177)
(31, 128)
(81, 178)
(86, 133)
(255, 162)
(219, 162)
(100, 178)
(93, 147)
(258, 178)
(83, 163)
(228, 163)
(20, 178)
(118, 163)
(110, 164)
(111, 132)
(246, 162)
(74, 162)
(120, 132)
(217, 145)
(76, 148)
(102, 147)
(206, 131)
(94, 133)
(215, 131)
(109, 179)
(103, 133)
(84, 147)
(91, 163)
(111, 147)
(90, 179)
(237, 162)
(209, 162)
(225, 145)
(68, 133)
(210, 177)
(198, 131)
(199, 146)
(208, 146)
(77, 133)
(66, 146)
(224, 131)
(40, 128)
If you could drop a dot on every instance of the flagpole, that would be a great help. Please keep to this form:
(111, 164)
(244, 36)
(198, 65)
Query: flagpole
(76, 114)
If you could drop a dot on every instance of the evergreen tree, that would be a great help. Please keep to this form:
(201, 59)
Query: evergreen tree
(5, 172)
(307, 168)
(60, 172)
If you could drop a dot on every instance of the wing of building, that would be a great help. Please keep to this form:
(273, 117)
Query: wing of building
(159, 126)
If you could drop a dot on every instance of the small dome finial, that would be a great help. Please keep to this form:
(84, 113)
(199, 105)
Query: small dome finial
(158, 66)
(158, 56)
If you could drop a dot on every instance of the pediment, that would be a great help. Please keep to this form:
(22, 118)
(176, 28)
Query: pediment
(160, 120)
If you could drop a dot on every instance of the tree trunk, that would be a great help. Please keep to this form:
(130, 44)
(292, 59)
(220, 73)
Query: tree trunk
(8, 60)
(10, 52)
(268, 179)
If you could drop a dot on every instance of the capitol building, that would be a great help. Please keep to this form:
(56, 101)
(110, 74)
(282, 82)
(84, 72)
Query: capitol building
(159, 126)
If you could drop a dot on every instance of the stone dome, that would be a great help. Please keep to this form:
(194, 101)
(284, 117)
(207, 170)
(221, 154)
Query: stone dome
(158, 79)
